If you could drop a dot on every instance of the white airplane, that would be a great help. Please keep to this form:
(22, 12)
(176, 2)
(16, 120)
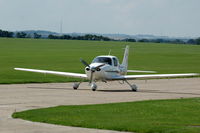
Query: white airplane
(107, 68)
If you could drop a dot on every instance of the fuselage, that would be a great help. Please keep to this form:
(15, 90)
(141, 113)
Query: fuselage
(110, 68)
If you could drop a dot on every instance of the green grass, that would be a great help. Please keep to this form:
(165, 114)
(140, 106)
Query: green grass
(64, 55)
(159, 116)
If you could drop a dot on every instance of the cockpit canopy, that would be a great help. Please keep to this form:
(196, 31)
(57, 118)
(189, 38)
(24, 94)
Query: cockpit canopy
(110, 60)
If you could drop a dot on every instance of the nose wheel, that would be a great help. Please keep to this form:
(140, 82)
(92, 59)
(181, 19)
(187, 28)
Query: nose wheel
(93, 86)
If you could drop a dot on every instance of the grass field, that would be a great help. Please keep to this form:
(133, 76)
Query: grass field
(160, 116)
(63, 55)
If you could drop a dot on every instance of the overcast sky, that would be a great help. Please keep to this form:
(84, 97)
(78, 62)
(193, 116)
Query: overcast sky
(159, 17)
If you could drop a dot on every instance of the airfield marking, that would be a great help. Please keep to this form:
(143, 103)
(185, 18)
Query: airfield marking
(18, 97)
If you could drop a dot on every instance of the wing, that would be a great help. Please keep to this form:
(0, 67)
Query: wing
(67, 74)
(150, 76)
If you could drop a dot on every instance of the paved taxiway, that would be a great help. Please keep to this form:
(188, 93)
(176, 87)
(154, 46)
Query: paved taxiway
(18, 97)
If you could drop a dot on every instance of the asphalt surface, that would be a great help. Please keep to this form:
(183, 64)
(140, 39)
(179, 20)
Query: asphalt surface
(18, 97)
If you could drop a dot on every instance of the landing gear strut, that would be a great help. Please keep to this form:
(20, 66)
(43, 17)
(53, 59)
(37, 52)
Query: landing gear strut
(133, 87)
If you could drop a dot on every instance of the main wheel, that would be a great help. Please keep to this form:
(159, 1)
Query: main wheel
(134, 87)
(75, 86)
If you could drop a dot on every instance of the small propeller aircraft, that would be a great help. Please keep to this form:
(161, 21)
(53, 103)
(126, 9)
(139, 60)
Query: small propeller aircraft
(107, 68)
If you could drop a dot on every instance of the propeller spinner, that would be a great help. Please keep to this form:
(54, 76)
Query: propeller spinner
(91, 69)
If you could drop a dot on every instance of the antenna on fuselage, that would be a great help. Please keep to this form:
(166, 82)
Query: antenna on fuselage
(109, 52)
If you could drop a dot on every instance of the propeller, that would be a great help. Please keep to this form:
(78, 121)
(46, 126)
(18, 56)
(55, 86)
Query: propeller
(92, 69)
(84, 62)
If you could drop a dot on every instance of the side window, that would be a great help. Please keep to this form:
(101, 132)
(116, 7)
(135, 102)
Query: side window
(115, 61)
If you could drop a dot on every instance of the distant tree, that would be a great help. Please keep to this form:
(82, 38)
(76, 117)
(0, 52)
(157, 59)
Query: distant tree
(198, 41)
(52, 37)
(78, 38)
(159, 41)
(88, 37)
(177, 41)
(1, 32)
(6, 34)
(37, 36)
(28, 36)
(106, 39)
(67, 37)
(18, 35)
(191, 41)
(130, 40)
(85, 37)
(143, 40)
(21, 35)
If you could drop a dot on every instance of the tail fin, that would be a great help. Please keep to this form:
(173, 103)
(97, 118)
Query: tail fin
(125, 59)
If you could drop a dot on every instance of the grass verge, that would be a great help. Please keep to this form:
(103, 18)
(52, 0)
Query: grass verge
(156, 116)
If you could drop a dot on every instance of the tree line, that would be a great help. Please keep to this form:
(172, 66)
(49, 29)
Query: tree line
(172, 41)
(66, 37)
(9, 34)
(84, 37)
(6, 34)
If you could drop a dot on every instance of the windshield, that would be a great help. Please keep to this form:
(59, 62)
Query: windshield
(115, 61)
(105, 60)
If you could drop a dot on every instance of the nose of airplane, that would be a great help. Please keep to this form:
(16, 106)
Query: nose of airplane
(93, 69)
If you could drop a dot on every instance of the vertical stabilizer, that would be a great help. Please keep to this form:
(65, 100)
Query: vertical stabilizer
(125, 59)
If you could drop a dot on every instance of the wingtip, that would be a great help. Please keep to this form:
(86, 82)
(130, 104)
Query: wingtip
(18, 68)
